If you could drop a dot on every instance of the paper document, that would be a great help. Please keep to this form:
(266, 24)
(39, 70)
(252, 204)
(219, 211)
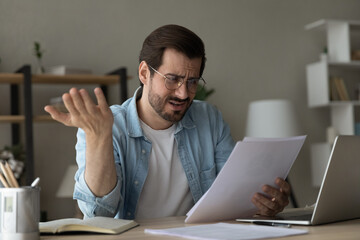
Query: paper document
(227, 231)
(252, 163)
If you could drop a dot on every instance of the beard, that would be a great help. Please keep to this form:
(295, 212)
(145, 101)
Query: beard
(158, 104)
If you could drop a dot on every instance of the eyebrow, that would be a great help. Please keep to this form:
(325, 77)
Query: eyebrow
(175, 75)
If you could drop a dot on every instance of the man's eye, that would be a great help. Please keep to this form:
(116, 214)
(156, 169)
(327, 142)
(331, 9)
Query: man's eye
(193, 81)
(172, 78)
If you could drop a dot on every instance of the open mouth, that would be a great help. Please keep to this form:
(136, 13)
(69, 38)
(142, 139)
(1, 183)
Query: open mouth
(178, 105)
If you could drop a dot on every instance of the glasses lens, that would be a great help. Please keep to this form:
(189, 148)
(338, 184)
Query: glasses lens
(172, 82)
(195, 84)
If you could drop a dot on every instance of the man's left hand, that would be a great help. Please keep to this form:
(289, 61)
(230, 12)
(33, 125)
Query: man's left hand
(274, 200)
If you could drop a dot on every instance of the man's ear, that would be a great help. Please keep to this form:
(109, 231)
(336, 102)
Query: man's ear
(144, 73)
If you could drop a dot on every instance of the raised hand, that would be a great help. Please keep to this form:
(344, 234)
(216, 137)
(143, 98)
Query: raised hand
(83, 112)
(96, 121)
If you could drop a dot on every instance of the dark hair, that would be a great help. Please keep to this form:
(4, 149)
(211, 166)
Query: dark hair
(172, 36)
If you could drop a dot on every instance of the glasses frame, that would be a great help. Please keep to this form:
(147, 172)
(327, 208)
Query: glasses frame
(180, 83)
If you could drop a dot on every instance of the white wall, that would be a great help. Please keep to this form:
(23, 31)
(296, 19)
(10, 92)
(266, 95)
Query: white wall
(256, 49)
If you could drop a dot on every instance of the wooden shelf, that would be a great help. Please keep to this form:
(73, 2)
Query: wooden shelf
(21, 118)
(351, 64)
(75, 79)
(12, 78)
(17, 78)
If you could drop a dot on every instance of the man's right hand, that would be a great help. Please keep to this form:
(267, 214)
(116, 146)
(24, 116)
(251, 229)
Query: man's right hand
(96, 121)
(83, 113)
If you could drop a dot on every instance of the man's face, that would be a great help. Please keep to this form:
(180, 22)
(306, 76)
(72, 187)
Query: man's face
(171, 105)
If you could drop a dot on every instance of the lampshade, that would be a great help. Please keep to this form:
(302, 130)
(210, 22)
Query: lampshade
(66, 188)
(272, 118)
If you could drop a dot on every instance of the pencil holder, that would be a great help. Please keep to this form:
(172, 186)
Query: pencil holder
(19, 213)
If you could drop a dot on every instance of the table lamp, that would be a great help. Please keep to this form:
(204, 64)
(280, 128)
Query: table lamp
(273, 118)
(66, 188)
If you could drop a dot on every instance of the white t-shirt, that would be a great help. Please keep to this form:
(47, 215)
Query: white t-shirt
(166, 190)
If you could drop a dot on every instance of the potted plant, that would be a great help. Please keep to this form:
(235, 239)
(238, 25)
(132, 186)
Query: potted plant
(38, 52)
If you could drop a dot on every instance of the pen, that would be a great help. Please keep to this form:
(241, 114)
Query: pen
(3, 181)
(35, 182)
(274, 224)
(6, 175)
(11, 175)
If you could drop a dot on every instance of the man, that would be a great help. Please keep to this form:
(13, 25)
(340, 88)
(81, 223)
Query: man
(157, 153)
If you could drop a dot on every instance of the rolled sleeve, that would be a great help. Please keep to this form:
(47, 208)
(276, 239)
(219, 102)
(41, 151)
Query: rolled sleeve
(90, 205)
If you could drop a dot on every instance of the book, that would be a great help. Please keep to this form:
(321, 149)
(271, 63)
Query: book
(64, 70)
(104, 225)
(341, 89)
(334, 94)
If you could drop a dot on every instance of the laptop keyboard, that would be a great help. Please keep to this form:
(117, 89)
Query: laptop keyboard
(306, 217)
(301, 214)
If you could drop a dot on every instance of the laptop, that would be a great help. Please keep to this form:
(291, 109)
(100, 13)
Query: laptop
(339, 195)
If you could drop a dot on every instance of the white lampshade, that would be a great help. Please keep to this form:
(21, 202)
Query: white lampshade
(272, 118)
(66, 188)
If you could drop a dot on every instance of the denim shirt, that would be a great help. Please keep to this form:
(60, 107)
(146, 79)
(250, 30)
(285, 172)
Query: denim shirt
(204, 144)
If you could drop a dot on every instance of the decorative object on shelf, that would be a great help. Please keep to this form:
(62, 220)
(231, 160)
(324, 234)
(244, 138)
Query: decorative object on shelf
(324, 55)
(203, 93)
(38, 52)
(14, 156)
(64, 70)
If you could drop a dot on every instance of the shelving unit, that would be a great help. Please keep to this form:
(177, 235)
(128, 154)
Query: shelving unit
(341, 38)
(24, 77)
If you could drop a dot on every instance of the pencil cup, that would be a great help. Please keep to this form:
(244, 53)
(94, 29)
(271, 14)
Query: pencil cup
(19, 213)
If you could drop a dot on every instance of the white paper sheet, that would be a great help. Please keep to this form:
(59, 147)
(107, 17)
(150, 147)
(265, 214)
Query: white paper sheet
(227, 231)
(253, 163)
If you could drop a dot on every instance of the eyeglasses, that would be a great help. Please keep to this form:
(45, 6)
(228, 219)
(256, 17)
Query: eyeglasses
(173, 82)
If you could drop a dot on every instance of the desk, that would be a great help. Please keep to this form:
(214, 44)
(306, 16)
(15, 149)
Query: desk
(334, 231)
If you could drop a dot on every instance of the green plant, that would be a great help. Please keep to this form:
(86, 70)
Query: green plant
(38, 52)
(17, 151)
(203, 93)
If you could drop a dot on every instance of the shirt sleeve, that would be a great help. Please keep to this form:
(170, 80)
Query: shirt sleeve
(225, 143)
(89, 204)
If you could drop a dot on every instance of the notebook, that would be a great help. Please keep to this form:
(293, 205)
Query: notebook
(339, 194)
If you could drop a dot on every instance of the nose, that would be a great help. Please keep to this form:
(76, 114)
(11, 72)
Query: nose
(182, 91)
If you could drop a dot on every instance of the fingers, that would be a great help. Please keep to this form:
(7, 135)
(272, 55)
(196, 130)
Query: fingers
(284, 186)
(264, 205)
(69, 104)
(79, 102)
(83, 112)
(58, 116)
(274, 200)
(75, 101)
(100, 97)
(88, 102)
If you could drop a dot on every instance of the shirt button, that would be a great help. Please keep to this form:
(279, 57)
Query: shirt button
(143, 151)
(136, 182)
(129, 214)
